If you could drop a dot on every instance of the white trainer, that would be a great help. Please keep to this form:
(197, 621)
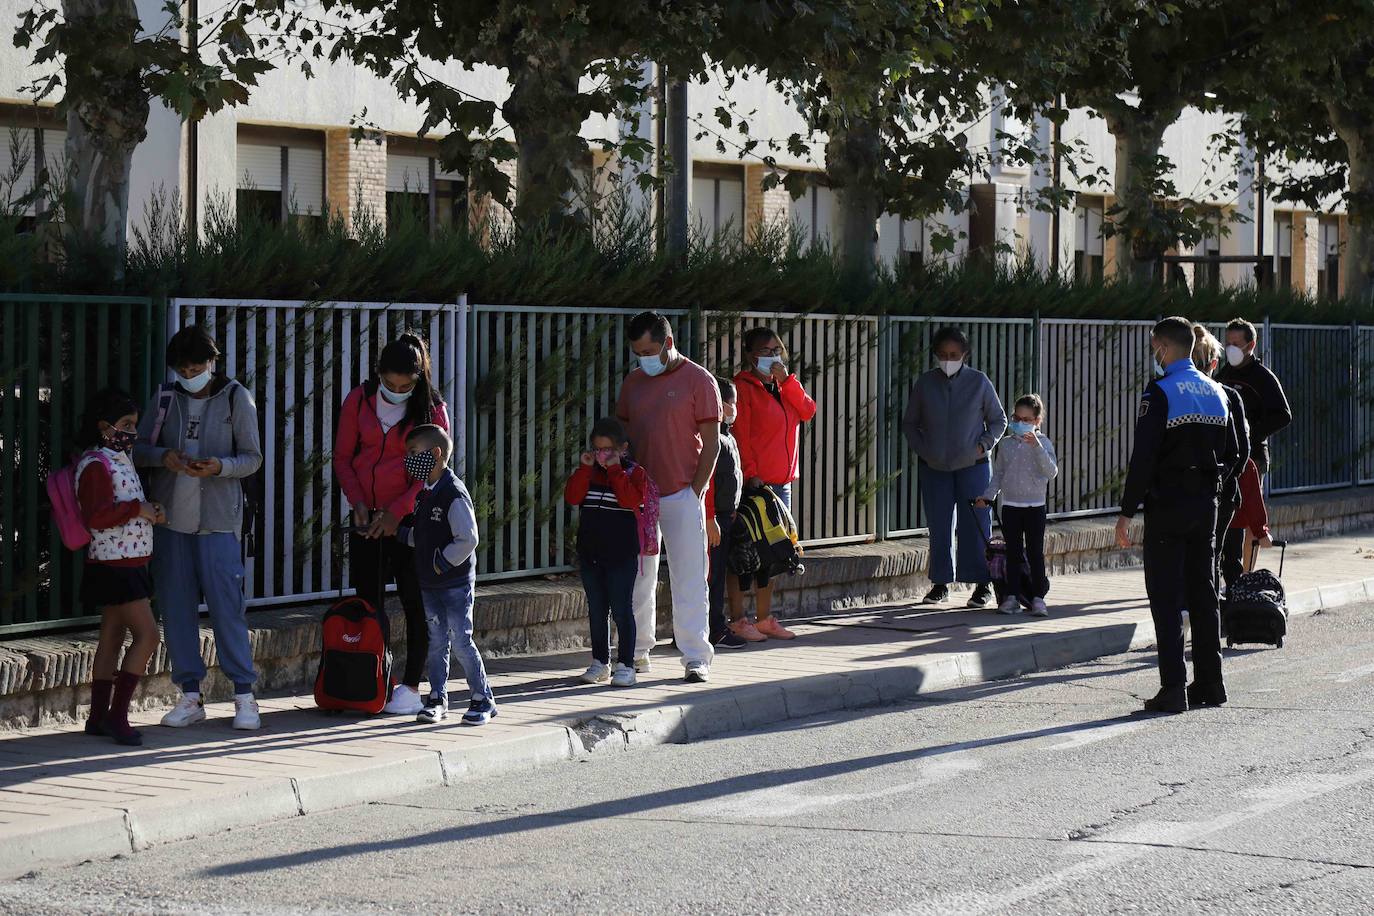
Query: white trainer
(624, 676)
(188, 711)
(405, 701)
(1009, 605)
(698, 673)
(246, 717)
(1038, 608)
(642, 665)
(597, 673)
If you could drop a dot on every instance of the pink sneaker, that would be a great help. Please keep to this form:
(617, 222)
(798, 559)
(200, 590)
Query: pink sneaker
(746, 630)
(770, 627)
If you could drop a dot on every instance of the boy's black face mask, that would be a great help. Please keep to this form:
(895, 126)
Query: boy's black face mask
(419, 465)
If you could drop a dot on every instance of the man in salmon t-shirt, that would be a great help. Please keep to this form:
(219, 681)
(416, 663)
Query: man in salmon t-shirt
(671, 407)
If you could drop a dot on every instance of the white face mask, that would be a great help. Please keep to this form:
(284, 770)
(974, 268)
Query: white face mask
(653, 365)
(1235, 355)
(766, 364)
(951, 367)
(394, 397)
(196, 383)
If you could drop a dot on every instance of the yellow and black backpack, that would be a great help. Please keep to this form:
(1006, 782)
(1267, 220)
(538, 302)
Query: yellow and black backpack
(764, 538)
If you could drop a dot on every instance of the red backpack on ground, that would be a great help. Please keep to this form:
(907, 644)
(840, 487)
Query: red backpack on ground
(355, 658)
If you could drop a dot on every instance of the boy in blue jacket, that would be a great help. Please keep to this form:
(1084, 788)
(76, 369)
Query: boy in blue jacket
(443, 532)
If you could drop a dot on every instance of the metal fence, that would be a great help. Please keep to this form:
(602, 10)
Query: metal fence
(299, 360)
(524, 385)
(1319, 366)
(54, 352)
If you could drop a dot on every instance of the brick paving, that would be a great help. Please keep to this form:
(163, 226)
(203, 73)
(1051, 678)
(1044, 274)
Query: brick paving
(56, 777)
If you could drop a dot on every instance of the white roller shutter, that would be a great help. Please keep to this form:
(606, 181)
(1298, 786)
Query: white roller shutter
(825, 213)
(703, 207)
(730, 214)
(408, 174)
(306, 167)
(55, 151)
(259, 167)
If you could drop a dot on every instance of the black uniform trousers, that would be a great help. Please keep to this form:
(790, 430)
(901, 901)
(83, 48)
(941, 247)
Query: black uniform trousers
(1180, 574)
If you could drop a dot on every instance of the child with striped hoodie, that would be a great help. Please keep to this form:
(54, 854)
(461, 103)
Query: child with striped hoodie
(610, 489)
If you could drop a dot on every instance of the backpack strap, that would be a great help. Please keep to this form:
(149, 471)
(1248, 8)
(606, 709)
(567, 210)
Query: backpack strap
(165, 395)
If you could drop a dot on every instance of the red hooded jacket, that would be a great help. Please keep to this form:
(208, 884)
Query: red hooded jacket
(766, 427)
(369, 463)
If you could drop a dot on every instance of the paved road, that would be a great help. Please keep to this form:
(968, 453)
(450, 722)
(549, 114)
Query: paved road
(1041, 795)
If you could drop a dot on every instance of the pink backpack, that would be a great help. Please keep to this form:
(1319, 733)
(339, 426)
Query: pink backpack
(647, 516)
(66, 511)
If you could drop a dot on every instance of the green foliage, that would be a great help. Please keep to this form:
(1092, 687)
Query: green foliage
(614, 265)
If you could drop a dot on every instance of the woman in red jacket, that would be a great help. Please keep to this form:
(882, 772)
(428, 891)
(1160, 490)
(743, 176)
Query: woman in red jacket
(771, 406)
(369, 461)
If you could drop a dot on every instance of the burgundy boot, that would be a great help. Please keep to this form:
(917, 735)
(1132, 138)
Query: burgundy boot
(100, 707)
(117, 722)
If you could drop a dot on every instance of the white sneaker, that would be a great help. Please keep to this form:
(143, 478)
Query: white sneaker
(405, 701)
(624, 676)
(598, 673)
(188, 711)
(1038, 608)
(1009, 605)
(698, 673)
(246, 717)
(642, 665)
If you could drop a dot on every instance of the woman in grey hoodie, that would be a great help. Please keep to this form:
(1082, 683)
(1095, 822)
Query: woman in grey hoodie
(199, 437)
(952, 421)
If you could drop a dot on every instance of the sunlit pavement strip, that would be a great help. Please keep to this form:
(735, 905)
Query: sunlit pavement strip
(65, 797)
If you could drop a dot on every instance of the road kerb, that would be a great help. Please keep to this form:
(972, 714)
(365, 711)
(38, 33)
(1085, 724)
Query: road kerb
(757, 706)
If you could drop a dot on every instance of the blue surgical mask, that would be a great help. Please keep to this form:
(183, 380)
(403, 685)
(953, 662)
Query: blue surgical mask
(196, 383)
(652, 365)
(1020, 428)
(766, 364)
(394, 397)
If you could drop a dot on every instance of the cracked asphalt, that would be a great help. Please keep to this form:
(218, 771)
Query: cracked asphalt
(1037, 795)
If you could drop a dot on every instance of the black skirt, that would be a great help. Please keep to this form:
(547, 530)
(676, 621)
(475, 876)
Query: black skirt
(103, 585)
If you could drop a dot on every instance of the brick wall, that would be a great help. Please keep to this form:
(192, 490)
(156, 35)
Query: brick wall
(355, 174)
(763, 208)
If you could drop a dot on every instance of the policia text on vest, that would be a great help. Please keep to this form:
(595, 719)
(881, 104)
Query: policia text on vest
(1186, 445)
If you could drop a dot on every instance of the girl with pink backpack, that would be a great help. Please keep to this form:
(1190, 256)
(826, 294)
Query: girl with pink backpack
(109, 498)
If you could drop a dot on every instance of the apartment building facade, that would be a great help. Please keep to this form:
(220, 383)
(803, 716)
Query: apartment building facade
(291, 151)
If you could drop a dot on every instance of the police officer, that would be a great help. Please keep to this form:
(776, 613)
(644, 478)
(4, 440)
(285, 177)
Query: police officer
(1185, 444)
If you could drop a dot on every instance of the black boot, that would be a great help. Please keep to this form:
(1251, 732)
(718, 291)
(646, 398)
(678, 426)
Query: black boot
(1168, 700)
(1206, 694)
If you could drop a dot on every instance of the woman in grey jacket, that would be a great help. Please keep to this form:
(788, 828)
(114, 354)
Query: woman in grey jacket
(200, 437)
(952, 421)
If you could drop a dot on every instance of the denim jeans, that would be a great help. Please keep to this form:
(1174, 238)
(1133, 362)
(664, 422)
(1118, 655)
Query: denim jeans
(946, 495)
(610, 588)
(448, 617)
(187, 567)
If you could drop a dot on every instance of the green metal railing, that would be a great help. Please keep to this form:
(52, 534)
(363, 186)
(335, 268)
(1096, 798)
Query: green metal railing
(54, 352)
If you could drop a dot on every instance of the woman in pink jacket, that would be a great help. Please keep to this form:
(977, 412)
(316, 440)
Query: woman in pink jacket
(369, 461)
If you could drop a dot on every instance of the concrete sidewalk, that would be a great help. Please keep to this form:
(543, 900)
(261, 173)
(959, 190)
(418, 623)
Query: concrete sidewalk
(66, 797)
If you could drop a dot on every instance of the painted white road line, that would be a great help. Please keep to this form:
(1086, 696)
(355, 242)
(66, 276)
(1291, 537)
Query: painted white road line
(1094, 735)
(1100, 852)
(1353, 674)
